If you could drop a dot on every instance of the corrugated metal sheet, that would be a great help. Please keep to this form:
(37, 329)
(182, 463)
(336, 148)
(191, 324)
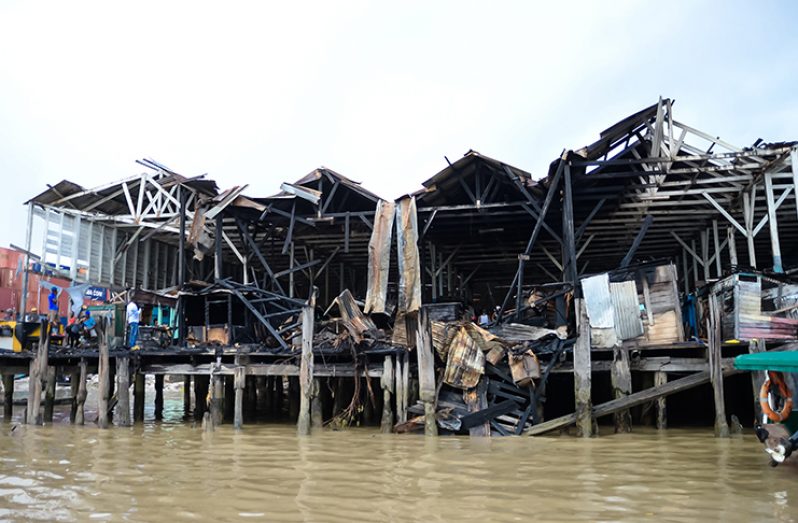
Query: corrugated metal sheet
(596, 290)
(380, 257)
(626, 309)
(407, 247)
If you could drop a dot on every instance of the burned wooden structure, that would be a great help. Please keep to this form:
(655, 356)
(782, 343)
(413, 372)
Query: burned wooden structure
(643, 261)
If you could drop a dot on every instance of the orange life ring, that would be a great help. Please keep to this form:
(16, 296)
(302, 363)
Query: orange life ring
(777, 379)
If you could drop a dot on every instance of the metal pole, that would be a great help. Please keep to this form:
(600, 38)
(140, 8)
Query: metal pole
(26, 262)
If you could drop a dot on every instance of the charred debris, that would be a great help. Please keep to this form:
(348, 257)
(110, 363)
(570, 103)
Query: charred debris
(656, 250)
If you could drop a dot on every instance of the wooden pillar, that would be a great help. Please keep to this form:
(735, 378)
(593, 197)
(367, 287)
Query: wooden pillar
(316, 418)
(582, 373)
(217, 400)
(264, 395)
(74, 378)
(757, 378)
(186, 394)
(387, 384)
(103, 376)
(217, 257)
(201, 386)
(159, 396)
(82, 393)
(401, 386)
(716, 238)
(181, 253)
(138, 397)
(229, 398)
(250, 397)
(306, 368)
(748, 215)
(715, 367)
(8, 397)
(238, 406)
(426, 372)
(660, 379)
(732, 242)
(37, 374)
(277, 405)
(123, 391)
(621, 378)
(773, 223)
(49, 394)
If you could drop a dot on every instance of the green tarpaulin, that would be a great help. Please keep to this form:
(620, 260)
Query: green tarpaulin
(775, 361)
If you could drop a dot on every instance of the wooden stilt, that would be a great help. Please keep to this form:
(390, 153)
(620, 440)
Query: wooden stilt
(37, 372)
(138, 397)
(217, 400)
(661, 378)
(715, 368)
(757, 378)
(74, 382)
(159, 396)
(123, 391)
(621, 378)
(306, 368)
(187, 395)
(82, 393)
(387, 384)
(103, 375)
(316, 418)
(278, 397)
(8, 397)
(263, 391)
(250, 397)
(201, 386)
(49, 394)
(238, 407)
(582, 370)
(426, 372)
(368, 406)
(401, 407)
(229, 398)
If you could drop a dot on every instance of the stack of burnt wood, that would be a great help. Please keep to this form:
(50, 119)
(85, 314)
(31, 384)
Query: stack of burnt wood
(489, 383)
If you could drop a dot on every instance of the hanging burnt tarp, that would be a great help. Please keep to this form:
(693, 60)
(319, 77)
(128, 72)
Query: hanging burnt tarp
(355, 321)
(407, 247)
(380, 257)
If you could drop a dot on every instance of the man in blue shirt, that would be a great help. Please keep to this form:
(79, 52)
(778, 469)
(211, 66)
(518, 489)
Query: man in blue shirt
(53, 305)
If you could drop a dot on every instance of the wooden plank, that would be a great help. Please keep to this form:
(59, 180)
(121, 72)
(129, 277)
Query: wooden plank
(582, 372)
(306, 368)
(486, 415)
(426, 371)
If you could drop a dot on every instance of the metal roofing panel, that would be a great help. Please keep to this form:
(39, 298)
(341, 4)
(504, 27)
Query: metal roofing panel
(596, 290)
(626, 309)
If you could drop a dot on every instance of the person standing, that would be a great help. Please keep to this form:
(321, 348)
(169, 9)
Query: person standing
(133, 317)
(52, 300)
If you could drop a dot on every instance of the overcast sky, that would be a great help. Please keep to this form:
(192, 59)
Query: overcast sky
(261, 93)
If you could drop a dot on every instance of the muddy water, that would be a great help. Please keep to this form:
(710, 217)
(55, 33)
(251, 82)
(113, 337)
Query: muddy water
(171, 471)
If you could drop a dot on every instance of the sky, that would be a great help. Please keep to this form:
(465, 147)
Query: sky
(260, 93)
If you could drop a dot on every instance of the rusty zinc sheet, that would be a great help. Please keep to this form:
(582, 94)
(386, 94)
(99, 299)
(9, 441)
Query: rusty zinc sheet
(407, 253)
(379, 257)
(355, 321)
(626, 308)
(465, 363)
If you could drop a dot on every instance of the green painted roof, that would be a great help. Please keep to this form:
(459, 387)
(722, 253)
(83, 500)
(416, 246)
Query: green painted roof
(775, 361)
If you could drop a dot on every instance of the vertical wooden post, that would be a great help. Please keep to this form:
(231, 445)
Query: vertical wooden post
(582, 373)
(8, 397)
(239, 384)
(103, 375)
(621, 378)
(49, 394)
(159, 396)
(264, 395)
(123, 391)
(316, 417)
(757, 378)
(660, 379)
(74, 376)
(749, 202)
(293, 398)
(306, 367)
(138, 396)
(217, 400)
(773, 223)
(716, 238)
(217, 257)
(181, 264)
(201, 386)
(732, 246)
(401, 407)
(82, 393)
(38, 368)
(278, 397)
(426, 372)
(715, 367)
(387, 384)
(229, 398)
(186, 394)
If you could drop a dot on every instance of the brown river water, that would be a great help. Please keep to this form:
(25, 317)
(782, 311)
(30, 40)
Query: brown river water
(172, 471)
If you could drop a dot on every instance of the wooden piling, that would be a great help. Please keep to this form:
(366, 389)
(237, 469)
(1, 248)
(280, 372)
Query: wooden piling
(49, 394)
(217, 400)
(715, 367)
(582, 376)
(238, 407)
(757, 379)
(621, 379)
(138, 397)
(38, 366)
(123, 391)
(201, 387)
(660, 379)
(401, 406)
(277, 405)
(229, 398)
(426, 372)
(187, 395)
(306, 368)
(316, 418)
(74, 382)
(264, 396)
(8, 397)
(387, 385)
(103, 375)
(82, 393)
(159, 396)
(293, 399)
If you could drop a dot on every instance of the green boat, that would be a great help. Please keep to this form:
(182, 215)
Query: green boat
(779, 437)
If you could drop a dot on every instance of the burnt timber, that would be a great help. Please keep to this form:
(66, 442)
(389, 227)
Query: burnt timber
(657, 252)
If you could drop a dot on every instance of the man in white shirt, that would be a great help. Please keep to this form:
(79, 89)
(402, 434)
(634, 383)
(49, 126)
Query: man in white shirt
(133, 317)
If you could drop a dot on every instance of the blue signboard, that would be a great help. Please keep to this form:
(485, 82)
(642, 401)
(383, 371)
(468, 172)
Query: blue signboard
(96, 293)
